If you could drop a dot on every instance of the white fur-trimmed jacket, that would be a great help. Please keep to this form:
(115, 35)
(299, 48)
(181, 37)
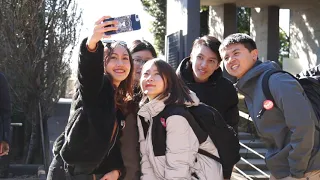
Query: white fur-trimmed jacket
(180, 159)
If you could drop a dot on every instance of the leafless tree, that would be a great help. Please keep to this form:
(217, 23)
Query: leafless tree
(37, 38)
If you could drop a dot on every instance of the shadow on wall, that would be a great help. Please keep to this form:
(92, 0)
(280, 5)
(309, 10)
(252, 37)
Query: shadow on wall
(305, 36)
(216, 23)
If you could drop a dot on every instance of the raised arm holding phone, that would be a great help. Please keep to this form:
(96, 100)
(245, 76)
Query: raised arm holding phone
(90, 148)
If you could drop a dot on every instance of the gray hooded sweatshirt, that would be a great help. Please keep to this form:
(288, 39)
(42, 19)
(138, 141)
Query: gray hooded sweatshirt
(289, 130)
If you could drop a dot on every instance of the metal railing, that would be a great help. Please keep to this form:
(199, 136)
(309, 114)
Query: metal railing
(247, 117)
(16, 124)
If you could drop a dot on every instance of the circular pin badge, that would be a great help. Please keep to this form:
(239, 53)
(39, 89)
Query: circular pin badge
(267, 104)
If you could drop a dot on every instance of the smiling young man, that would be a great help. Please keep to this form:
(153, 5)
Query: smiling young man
(288, 128)
(202, 74)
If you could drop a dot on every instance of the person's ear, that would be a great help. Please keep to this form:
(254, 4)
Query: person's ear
(218, 65)
(254, 54)
(191, 58)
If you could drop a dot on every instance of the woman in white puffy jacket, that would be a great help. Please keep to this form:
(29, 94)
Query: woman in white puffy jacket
(168, 144)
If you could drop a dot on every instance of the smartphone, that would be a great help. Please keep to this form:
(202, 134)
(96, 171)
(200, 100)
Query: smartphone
(125, 24)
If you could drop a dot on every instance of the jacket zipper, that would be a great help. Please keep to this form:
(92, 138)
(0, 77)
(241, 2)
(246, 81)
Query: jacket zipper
(114, 140)
(254, 122)
(113, 143)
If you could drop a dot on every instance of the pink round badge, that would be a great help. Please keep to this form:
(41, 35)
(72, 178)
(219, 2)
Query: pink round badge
(267, 104)
(163, 122)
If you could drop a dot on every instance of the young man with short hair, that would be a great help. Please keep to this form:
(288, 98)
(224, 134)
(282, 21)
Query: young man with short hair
(288, 128)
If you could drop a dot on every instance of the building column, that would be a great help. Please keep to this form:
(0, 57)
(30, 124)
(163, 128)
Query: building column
(273, 33)
(305, 36)
(264, 29)
(223, 22)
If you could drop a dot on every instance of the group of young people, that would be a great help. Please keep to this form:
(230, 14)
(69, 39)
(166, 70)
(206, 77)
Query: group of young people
(113, 130)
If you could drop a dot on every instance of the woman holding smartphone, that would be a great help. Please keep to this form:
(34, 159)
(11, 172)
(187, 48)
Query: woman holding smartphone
(90, 148)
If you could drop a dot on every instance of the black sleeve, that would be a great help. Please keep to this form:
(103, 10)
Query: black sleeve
(90, 71)
(231, 115)
(5, 110)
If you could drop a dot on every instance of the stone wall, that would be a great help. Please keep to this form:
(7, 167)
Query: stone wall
(305, 36)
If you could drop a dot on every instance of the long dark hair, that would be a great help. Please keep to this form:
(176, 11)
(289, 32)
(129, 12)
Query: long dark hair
(175, 88)
(124, 91)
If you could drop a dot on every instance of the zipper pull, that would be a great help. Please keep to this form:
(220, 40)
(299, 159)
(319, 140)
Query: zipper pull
(261, 112)
(267, 105)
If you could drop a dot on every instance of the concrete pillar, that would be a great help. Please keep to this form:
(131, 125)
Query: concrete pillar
(216, 21)
(259, 30)
(305, 36)
(230, 19)
(264, 28)
(222, 20)
(184, 15)
(273, 33)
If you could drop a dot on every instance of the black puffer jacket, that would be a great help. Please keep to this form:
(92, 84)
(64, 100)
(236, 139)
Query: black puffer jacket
(91, 143)
(217, 92)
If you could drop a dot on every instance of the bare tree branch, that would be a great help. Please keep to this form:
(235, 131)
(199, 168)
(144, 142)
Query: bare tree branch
(34, 36)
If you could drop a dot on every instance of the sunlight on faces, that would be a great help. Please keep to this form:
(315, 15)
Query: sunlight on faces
(204, 63)
(140, 58)
(238, 60)
(151, 82)
(118, 64)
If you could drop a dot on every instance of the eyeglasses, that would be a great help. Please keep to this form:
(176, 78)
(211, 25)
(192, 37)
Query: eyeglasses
(140, 61)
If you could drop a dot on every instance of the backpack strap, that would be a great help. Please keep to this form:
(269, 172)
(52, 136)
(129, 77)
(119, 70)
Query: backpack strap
(265, 83)
(145, 126)
(205, 153)
(201, 134)
(181, 110)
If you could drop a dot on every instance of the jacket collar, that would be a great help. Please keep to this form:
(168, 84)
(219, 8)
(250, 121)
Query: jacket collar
(151, 108)
(246, 83)
(155, 106)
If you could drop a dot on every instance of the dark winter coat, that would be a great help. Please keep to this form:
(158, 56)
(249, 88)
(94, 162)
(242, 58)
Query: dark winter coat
(217, 92)
(91, 141)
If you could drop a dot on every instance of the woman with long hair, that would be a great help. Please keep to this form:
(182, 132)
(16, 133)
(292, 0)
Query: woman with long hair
(168, 144)
(89, 146)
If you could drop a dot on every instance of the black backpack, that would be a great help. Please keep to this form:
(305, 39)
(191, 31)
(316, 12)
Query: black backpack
(207, 121)
(310, 82)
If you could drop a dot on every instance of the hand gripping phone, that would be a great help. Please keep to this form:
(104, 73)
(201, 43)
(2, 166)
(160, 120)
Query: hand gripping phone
(125, 24)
